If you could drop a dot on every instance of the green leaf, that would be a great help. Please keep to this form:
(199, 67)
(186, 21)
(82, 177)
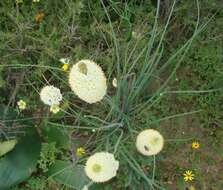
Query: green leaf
(7, 146)
(67, 173)
(19, 164)
(57, 135)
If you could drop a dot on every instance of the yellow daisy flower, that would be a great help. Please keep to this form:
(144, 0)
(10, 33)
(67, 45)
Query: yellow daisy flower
(21, 104)
(188, 175)
(80, 151)
(54, 108)
(195, 145)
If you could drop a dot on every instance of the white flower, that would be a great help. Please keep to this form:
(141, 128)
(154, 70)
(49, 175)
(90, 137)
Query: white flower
(65, 60)
(101, 167)
(36, 1)
(149, 142)
(88, 81)
(50, 95)
(114, 82)
(54, 108)
(21, 104)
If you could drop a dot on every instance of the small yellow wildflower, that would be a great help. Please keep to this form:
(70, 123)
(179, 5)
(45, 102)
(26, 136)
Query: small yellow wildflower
(21, 104)
(188, 175)
(192, 187)
(195, 145)
(54, 108)
(39, 17)
(80, 151)
(65, 67)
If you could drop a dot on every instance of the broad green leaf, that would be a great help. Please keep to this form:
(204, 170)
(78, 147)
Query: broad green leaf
(57, 135)
(19, 164)
(7, 146)
(67, 173)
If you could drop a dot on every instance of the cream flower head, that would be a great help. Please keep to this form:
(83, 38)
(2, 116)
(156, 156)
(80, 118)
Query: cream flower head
(88, 81)
(50, 95)
(149, 142)
(101, 167)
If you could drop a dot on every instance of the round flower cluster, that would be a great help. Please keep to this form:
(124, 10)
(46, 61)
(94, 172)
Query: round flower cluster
(149, 142)
(101, 167)
(50, 95)
(88, 81)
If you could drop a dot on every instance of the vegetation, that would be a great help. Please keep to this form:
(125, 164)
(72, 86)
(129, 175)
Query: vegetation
(167, 59)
